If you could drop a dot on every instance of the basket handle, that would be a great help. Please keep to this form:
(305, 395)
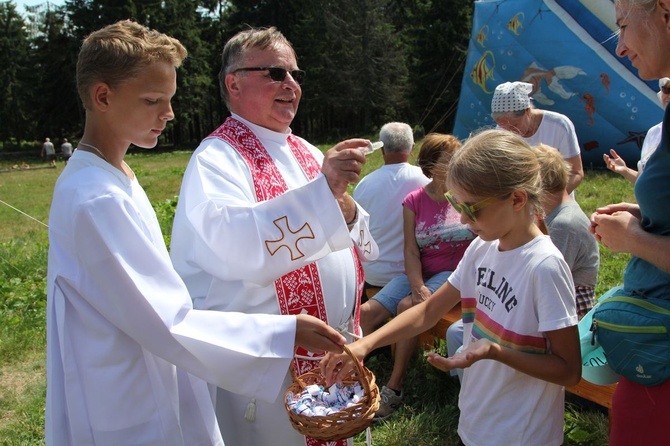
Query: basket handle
(359, 369)
(359, 366)
(294, 377)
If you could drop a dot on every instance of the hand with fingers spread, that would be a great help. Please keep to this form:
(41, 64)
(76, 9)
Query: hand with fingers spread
(614, 162)
(617, 165)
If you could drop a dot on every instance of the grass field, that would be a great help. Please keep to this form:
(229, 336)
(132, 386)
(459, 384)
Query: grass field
(429, 415)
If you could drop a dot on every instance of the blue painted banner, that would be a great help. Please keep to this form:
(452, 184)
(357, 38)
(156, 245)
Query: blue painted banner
(566, 49)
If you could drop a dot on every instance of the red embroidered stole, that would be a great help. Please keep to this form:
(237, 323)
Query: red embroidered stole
(299, 291)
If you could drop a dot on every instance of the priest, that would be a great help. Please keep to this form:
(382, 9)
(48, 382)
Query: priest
(264, 223)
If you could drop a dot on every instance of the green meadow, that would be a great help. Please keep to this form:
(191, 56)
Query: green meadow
(429, 415)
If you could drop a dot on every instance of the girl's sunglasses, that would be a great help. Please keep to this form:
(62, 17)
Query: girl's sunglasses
(277, 74)
(468, 209)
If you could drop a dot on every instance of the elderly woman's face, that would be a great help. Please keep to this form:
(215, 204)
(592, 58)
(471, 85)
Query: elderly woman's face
(521, 125)
(643, 38)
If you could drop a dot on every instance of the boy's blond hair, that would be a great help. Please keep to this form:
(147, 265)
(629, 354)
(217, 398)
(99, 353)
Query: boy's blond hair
(495, 163)
(119, 52)
(555, 170)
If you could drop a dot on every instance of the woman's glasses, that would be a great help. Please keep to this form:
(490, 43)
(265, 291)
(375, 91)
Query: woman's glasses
(277, 74)
(468, 209)
(665, 89)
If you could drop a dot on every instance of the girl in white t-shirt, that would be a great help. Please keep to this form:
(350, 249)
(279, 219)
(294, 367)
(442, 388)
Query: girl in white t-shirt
(520, 325)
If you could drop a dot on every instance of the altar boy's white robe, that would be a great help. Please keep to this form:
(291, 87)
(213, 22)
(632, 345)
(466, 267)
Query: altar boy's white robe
(119, 317)
(219, 248)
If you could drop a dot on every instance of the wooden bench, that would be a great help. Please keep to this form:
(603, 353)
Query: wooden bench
(601, 395)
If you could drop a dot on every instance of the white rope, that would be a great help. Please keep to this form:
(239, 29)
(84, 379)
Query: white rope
(29, 216)
(21, 212)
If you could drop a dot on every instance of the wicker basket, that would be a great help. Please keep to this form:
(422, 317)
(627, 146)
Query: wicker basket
(339, 425)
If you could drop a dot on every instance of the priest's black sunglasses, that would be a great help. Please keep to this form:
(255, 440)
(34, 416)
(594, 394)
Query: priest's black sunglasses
(277, 74)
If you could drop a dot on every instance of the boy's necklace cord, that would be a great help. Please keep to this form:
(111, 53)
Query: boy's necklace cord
(90, 146)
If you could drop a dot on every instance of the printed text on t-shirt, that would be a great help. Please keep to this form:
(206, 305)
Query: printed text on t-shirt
(502, 289)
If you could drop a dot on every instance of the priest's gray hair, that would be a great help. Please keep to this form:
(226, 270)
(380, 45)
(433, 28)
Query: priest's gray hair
(236, 47)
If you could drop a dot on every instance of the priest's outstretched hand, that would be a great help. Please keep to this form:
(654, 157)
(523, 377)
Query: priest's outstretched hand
(342, 164)
(341, 167)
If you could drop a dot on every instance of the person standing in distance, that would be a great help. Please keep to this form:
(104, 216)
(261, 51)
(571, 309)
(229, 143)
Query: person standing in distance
(66, 150)
(49, 152)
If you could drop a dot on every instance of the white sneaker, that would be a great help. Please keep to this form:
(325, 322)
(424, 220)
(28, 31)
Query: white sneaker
(390, 402)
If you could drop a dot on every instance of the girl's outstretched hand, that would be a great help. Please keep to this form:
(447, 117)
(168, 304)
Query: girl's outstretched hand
(482, 349)
(336, 366)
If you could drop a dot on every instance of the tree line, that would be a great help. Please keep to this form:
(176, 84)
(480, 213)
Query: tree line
(367, 61)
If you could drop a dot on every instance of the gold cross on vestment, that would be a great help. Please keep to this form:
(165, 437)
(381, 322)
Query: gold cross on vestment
(364, 246)
(288, 242)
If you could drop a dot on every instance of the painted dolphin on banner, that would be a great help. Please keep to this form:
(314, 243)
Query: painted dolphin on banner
(566, 49)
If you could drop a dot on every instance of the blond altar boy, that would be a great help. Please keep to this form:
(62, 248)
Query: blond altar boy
(126, 351)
